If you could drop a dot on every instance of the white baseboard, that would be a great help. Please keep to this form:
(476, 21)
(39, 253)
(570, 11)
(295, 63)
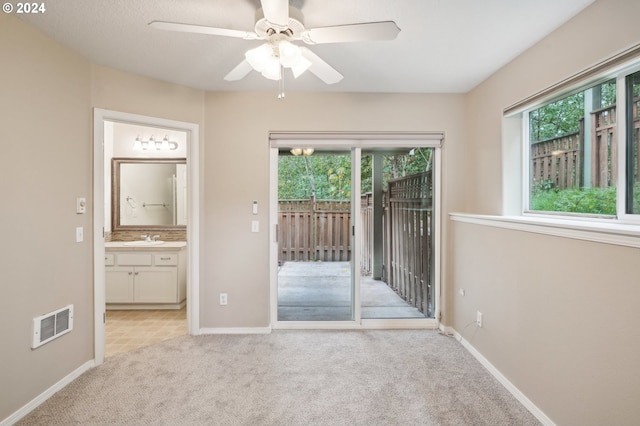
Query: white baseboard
(34, 403)
(235, 330)
(533, 409)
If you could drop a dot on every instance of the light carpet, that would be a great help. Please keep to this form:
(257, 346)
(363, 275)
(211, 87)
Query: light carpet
(381, 377)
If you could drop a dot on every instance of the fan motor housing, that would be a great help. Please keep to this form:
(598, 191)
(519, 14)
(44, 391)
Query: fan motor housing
(294, 29)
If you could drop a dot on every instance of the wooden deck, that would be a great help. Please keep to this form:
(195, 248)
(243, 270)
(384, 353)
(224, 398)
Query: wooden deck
(320, 291)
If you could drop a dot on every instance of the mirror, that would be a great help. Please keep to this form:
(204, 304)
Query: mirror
(148, 193)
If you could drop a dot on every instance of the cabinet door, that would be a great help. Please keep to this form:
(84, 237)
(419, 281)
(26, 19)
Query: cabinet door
(119, 285)
(156, 285)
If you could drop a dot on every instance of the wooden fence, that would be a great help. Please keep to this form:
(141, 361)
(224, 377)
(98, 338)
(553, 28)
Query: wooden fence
(366, 252)
(408, 240)
(604, 148)
(561, 159)
(310, 230)
(314, 230)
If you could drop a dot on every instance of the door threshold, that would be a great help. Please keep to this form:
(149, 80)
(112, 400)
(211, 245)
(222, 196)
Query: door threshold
(365, 324)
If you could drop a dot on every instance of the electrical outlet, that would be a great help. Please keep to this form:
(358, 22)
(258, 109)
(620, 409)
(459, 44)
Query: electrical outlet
(479, 319)
(223, 299)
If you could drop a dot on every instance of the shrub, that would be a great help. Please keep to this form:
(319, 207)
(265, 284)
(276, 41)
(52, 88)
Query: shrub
(584, 200)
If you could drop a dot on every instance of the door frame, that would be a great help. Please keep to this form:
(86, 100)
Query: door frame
(194, 194)
(355, 142)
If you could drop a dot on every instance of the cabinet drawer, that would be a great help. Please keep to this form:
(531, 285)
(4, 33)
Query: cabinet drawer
(109, 259)
(131, 259)
(165, 259)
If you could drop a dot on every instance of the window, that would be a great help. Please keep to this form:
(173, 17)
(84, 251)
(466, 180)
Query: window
(572, 153)
(633, 142)
(577, 162)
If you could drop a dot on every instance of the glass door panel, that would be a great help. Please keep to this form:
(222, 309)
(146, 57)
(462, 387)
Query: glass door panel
(315, 280)
(397, 251)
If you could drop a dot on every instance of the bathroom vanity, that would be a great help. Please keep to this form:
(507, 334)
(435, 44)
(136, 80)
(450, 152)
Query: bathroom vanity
(146, 276)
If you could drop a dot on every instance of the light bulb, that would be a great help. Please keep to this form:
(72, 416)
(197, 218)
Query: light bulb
(165, 144)
(289, 53)
(137, 145)
(259, 56)
(272, 69)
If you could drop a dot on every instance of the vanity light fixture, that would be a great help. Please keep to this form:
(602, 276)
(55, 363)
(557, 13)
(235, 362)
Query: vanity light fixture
(154, 145)
(302, 151)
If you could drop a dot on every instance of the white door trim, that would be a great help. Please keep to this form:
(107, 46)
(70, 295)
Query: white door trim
(194, 194)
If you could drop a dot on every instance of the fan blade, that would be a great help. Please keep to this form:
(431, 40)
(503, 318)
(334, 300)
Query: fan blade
(276, 12)
(239, 72)
(369, 31)
(201, 29)
(320, 68)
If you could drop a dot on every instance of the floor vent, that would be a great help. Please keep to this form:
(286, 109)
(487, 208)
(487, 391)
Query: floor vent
(52, 325)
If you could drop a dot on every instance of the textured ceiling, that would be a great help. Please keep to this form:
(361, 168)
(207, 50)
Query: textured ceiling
(445, 46)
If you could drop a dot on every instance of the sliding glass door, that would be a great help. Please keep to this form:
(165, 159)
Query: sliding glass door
(354, 231)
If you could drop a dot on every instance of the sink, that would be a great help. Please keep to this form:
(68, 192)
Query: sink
(143, 243)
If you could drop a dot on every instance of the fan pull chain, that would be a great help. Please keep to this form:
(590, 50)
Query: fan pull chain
(281, 83)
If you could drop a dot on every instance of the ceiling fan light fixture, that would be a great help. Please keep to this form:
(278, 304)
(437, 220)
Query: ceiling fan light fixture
(272, 69)
(289, 53)
(259, 57)
(302, 151)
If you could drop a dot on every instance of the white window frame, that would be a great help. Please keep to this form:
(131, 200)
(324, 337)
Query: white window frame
(621, 93)
(620, 75)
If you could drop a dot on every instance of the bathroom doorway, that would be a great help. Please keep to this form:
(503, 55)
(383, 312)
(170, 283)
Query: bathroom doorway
(146, 202)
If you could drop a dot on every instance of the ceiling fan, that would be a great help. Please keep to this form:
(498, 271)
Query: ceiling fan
(279, 25)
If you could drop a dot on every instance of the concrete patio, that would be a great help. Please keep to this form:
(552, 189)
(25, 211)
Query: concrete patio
(320, 291)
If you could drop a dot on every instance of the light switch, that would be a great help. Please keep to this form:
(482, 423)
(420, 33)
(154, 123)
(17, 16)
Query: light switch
(255, 226)
(255, 207)
(81, 205)
(79, 234)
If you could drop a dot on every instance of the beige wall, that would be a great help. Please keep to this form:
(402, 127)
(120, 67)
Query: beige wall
(47, 151)
(45, 139)
(237, 172)
(559, 314)
(124, 92)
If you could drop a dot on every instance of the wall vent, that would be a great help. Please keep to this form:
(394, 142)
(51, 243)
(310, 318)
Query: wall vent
(52, 325)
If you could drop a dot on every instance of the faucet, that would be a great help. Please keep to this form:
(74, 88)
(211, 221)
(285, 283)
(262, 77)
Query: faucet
(146, 237)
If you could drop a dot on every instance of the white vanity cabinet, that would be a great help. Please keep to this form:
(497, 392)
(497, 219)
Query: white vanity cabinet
(145, 277)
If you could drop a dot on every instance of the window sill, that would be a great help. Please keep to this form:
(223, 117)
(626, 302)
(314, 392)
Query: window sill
(616, 233)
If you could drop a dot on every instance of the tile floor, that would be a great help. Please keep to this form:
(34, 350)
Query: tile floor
(129, 330)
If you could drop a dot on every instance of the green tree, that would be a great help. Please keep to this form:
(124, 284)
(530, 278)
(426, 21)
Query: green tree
(328, 176)
(563, 116)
